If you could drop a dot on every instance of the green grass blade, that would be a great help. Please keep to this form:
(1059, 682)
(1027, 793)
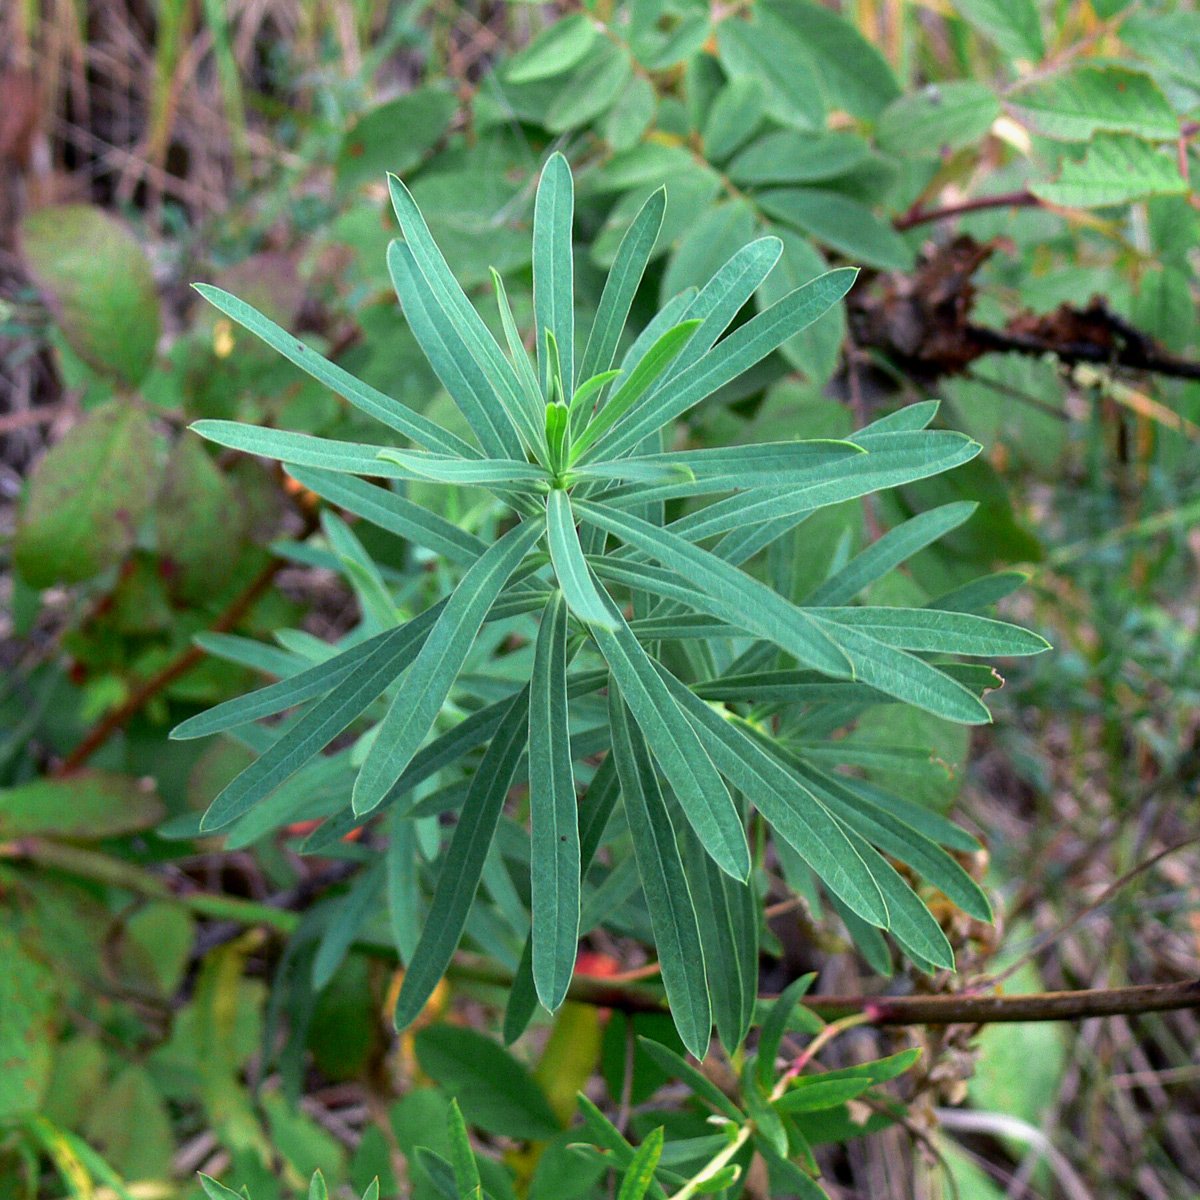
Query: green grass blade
(677, 748)
(725, 591)
(367, 399)
(553, 271)
(566, 555)
(624, 278)
(664, 882)
(462, 865)
(554, 847)
(436, 667)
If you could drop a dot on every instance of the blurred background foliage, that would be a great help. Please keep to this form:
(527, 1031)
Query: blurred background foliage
(1016, 178)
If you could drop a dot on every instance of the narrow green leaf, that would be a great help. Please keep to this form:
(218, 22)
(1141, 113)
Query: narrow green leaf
(664, 882)
(652, 365)
(436, 667)
(384, 508)
(621, 286)
(729, 358)
(889, 551)
(775, 1026)
(817, 1094)
(529, 392)
(927, 629)
(554, 847)
(640, 1174)
(343, 926)
(566, 555)
(679, 752)
(493, 412)
(703, 1088)
(462, 865)
(725, 591)
(365, 398)
(466, 1170)
(586, 391)
(465, 471)
(792, 810)
(553, 272)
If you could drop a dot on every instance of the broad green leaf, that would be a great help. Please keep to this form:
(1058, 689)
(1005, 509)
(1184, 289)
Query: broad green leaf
(88, 804)
(640, 1173)
(1076, 104)
(495, 1091)
(371, 147)
(554, 846)
(734, 117)
(553, 272)
(729, 358)
(677, 934)
(365, 398)
(1113, 170)
(591, 89)
(559, 47)
(631, 114)
(100, 287)
(466, 471)
(854, 75)
(677, 749)
(462, 864)
(789, 157)
(889, 551)
(937, 119)
(1013, 25)
(29, 1018)
(782, 62)
(493, 412)
(724, 590)
(87, 497)
(637, 383)
(841, 223)
(315, 681)
(433, 672)
(387, 510)
(580, 590)
(792, 810)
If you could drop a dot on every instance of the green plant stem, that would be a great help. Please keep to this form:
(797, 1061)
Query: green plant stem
(969, 1008)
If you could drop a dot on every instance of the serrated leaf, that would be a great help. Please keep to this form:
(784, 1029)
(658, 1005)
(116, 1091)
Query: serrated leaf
(1113, 170)
(1076, 104)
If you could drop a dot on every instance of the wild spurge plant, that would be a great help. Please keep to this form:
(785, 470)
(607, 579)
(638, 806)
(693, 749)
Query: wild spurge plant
(712, 698)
